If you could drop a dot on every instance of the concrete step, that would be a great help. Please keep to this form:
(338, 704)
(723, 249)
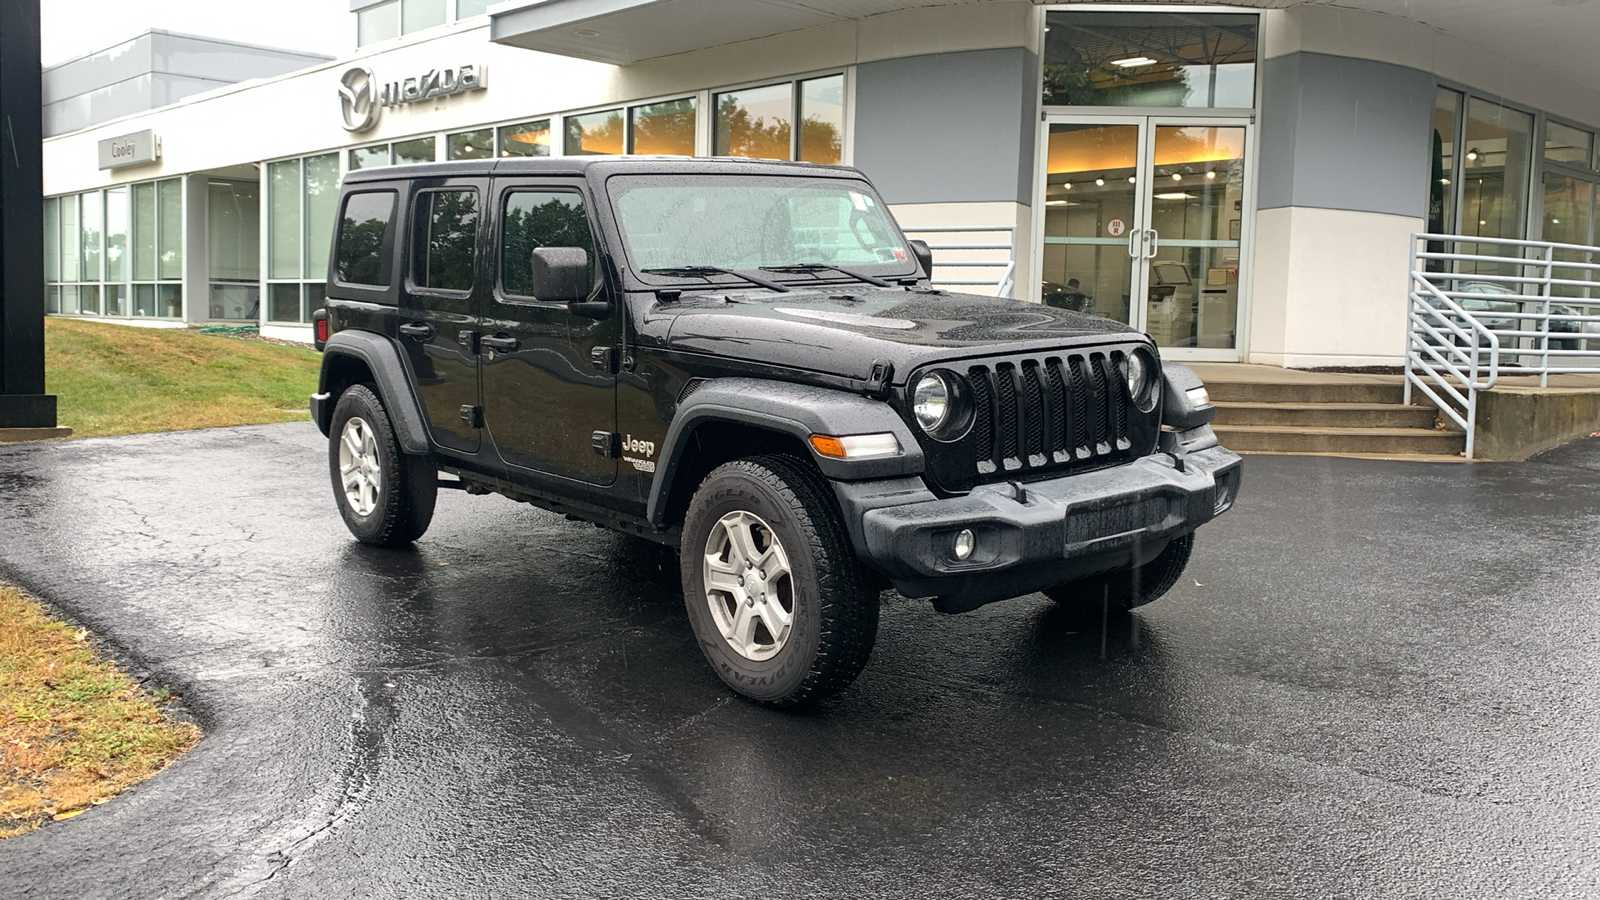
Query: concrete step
(1290, 439)
(1343, 415)
(1306, 391)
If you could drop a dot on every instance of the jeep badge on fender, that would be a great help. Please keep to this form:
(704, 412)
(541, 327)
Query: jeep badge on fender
(796, 410)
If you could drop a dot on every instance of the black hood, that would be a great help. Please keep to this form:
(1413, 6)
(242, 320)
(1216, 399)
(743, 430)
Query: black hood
(843, 330)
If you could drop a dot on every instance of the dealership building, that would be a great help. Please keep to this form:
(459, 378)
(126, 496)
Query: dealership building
(1242, 182)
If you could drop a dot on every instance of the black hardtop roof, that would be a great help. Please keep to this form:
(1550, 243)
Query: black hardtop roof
(602, 166)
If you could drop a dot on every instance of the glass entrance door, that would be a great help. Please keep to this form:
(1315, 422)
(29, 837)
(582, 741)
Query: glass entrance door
(1143, 221)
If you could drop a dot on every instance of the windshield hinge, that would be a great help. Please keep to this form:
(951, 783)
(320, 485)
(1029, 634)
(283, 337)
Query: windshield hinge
(878, 380)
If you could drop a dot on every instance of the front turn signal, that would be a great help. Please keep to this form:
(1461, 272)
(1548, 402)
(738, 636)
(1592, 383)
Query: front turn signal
(856, 446)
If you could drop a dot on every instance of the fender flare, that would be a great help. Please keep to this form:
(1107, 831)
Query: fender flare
(383, 360)
(796, 410)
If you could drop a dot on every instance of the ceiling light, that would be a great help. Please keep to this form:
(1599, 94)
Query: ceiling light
(1133, 61)
(1100, 182)
(1177, 176)
(1555, 221)
(1067, 186)
(1132, 180)
(1482, 222)
(1175, 195)
(1472, 154)
(1212, 175)
(1444, 181)
(585, 33)
(1055, 203)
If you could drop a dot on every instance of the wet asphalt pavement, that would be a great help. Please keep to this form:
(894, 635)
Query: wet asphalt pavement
(1377, 680)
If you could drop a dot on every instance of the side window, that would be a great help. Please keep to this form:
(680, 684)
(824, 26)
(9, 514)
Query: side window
(444, 233)
(535, 219)
(361, 258)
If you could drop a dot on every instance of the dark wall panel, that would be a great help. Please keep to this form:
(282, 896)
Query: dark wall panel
(949, 127)
(1340, 133)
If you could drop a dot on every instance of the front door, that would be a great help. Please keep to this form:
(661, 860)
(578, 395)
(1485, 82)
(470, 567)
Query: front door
(1142, 221)
(548, 382)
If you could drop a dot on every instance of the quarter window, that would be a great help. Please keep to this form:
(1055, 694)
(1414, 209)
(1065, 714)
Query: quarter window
(362, 229)
(446, 226)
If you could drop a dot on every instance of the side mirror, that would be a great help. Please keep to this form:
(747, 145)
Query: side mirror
(924, 255)
(561, 275)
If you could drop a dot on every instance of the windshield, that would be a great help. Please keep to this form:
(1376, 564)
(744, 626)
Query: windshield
(741, 222)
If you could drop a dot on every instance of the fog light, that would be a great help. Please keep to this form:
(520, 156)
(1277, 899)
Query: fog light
(965, 542)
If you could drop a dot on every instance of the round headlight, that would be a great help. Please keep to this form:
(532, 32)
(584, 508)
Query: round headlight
(940, 405)
(1140, 372)
(930, 401)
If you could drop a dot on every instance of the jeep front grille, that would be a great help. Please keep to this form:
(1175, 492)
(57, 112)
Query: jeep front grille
(1048, 413)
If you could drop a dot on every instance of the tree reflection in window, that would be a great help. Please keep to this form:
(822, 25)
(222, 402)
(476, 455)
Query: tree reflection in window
(361, 232)
(447, 223)
(535, 219)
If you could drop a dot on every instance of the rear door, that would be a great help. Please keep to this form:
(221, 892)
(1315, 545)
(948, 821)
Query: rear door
(549, 392)
(438, 306)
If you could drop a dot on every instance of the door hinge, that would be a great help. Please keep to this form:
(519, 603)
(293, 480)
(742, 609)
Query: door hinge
(606, 444)
(469, 340)
(472, 416)
(878, 379)
(603, 358)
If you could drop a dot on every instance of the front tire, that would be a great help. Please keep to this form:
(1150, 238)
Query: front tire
(385, 497)
(1131, 588)
(776, 597)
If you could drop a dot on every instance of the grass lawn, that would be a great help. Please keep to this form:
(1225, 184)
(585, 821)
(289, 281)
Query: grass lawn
(115, 379)
(74, 729)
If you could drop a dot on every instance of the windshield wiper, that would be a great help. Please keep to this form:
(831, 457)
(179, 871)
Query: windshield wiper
(703, 271)
(822, 267)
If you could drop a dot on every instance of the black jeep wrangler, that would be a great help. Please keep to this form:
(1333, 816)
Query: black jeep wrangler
(746, 361)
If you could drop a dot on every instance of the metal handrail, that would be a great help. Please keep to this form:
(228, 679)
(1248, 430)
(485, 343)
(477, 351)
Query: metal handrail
(1004, 283)
(1454, 352)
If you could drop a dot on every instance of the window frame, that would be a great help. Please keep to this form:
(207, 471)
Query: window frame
(416, 248)
(503, 192)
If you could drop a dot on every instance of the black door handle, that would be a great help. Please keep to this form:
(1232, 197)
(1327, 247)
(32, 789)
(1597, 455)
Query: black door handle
(418, 330)
(499, 342)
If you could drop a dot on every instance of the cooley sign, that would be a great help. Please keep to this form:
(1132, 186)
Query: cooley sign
(362, 98)
(130, 149)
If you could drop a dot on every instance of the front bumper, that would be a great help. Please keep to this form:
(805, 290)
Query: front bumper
(1044, 534)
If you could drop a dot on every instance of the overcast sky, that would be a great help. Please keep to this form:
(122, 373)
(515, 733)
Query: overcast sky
(71, 28)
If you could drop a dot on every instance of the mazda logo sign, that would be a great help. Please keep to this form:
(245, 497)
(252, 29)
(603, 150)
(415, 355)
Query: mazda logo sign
(358, 99)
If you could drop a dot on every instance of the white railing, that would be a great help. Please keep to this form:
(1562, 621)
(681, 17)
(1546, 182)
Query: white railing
(1481, 308)
(1002, 269)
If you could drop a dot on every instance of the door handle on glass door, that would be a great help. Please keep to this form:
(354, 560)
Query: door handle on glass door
(1152, 240)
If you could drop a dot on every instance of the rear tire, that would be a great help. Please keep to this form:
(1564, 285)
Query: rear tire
(1133, 587)
(776, 597)
(386, 497)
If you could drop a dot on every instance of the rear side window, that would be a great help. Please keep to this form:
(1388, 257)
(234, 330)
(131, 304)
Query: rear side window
(445, 239)
(535, 219)
(362, 228)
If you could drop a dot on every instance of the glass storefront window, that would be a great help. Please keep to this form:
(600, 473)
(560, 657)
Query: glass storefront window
(468, 8)
(169, 300)
(378, 23)
(169, 228)
(71, 263)
(233, 245)
(52, 239)
(144, 300)
(89, 299)
(283, 219)
(116, 236)
(416, 15)
(92, 217)
(822, 120)
(144, 233)
(1441, 187)
(594, 133)
(115, 297)
(526, 139)
(1202, 60)
(283, 302)
(1495, 168)
(1565, 144)
(416, 150)
(322, 202)
(369, 157)
(663, 128)
(755, 122)
(470, 145)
